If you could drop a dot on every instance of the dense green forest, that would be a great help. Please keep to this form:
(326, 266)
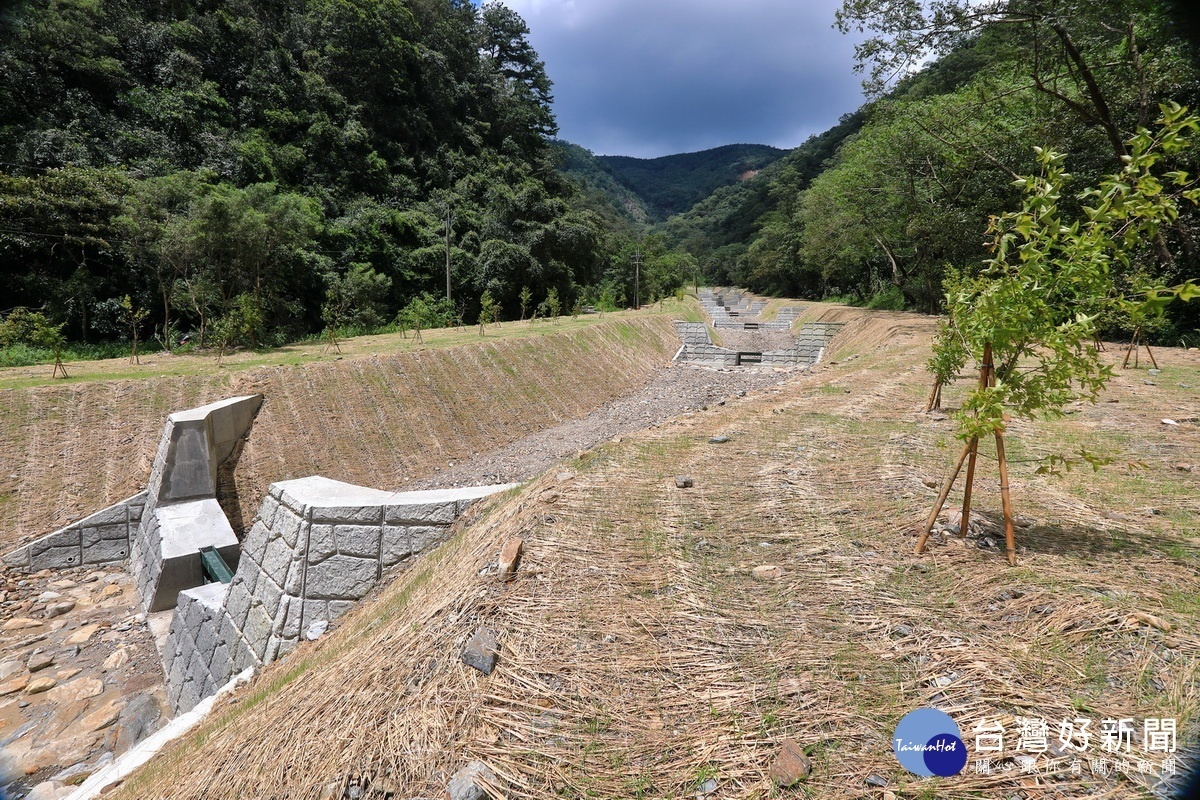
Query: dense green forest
(251, 172)
(673, 184)
(258, 171)
(621, 205)
(877, 208)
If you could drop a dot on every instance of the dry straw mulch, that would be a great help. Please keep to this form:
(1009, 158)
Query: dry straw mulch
(641, 658)
(69, 450)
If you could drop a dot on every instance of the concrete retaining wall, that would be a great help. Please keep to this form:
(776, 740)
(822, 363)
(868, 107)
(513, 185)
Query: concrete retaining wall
(102, 538)
(738, 324)
(317, 547)
(181, 514)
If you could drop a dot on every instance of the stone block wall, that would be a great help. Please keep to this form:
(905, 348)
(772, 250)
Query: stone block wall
(698, 346)
(810, 345)
(811, 342)
(101, 538)
(317, 547)
(179, 531)
(197, 665)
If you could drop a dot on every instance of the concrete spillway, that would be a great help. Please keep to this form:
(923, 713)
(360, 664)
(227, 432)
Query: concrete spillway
(317, 547)
(734, 310)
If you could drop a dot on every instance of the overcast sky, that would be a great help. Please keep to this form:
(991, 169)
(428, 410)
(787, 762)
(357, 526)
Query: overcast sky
(654, 77)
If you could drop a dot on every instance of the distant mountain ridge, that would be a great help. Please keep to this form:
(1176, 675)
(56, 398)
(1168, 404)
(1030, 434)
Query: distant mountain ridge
(653, 189)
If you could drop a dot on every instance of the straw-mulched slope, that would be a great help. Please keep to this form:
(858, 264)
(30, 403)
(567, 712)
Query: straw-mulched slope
(640, 657)
(68, 450)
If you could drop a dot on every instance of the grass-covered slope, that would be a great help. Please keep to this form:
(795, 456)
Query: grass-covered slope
(387, 411)
(641, 658)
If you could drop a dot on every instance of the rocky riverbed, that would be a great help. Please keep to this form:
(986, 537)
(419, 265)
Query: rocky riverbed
(675, 389)
(80, 680)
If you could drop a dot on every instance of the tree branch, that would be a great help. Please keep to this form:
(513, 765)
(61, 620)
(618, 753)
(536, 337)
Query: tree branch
(1094, 92)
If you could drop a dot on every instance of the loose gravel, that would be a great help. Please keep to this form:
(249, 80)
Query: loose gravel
(673, 390)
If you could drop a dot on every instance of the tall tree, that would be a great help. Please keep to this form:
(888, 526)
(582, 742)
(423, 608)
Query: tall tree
(521, 90)
(1108, 62)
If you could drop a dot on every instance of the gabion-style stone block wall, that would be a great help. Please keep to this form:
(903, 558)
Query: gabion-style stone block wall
(317, 547)
(172, 538)
(811, 342)
(698, 346)
(193, 648)
(101, 538)
(733, 309)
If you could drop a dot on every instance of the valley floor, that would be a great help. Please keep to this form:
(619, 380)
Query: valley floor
(665, 642)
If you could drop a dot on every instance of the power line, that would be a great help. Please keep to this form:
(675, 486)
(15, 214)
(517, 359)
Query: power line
(56, 235)
(637, 278)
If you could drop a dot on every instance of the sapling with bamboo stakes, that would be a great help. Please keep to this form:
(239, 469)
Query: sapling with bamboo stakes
(1028, 318)
(970, 454)
(1137, 341)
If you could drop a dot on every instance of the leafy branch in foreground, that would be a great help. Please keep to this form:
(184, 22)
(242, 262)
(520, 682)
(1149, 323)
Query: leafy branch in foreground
(1029, 318)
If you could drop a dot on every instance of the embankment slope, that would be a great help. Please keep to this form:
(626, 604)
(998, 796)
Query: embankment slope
(379, 421)
(641, 656)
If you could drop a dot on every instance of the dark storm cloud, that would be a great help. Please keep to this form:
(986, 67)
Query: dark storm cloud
(652, 77)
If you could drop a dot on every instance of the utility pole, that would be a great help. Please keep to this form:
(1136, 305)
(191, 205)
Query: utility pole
(448, 218)
(637, 278)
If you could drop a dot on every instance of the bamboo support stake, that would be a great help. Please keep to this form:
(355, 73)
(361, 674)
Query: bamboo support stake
(935, 396)
(986, 371)
(937, 507)
(965, 517)
(1006, 502)
(1132, 349)
(331, 341)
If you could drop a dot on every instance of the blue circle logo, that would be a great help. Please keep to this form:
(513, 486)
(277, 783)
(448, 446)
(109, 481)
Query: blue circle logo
(928, 743)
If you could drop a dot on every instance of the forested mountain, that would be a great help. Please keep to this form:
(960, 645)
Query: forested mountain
(878, 207)
(673, 184)
(249, 165)
(719, 229)
(603, 191)
(264, 170)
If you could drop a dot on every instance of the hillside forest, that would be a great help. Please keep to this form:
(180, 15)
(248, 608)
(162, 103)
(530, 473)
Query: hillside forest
(258, 172)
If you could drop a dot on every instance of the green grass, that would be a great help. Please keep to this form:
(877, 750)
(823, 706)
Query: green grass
(23, 355)
(1184, 603)
(155, 363)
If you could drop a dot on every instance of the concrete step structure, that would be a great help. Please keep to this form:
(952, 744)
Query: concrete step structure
(182, 514)
(161, 530)
(698, 348)
(317, 547)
